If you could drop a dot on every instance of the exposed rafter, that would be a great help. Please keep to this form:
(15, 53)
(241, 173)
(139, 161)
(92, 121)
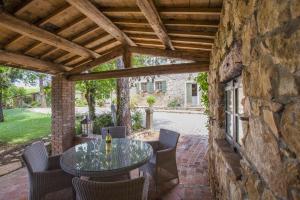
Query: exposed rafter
(179, 33)
(186, 23)
(186, 11)
(40, 24)
(19, 59)
(180, 54)
(89, 10)
(42, 35)
(148, 9)
(102, 59)
(144, 71)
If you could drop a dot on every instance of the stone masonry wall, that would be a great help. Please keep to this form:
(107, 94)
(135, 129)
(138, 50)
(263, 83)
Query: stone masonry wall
(63, 114)
(267, 34)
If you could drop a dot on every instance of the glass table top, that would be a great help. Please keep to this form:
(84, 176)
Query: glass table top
(96, 158)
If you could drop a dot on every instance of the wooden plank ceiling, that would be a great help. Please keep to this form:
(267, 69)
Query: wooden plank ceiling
(68, 36)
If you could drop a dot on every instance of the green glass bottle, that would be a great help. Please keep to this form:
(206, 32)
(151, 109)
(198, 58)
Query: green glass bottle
(108, 137)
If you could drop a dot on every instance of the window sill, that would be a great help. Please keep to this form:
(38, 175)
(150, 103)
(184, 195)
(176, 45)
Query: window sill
(231, 158)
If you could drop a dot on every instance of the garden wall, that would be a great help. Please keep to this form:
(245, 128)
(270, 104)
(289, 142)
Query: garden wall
(259, 39)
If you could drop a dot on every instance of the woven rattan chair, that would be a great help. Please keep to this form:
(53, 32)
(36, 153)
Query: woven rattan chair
(136, 189)
(162, 166)
(45, 175)
(115, 131)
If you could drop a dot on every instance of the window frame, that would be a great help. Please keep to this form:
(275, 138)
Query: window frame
(159, 83)
(233, 86)
(142, 89)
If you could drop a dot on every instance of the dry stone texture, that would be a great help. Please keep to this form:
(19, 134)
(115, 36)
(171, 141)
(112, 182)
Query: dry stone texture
(269, 157)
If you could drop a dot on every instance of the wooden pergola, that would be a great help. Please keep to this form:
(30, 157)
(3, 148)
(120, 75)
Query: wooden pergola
(68, 37)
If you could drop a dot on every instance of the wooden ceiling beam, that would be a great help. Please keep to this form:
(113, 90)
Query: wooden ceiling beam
(183, 11)
(197, 47)
(185, 23)
(179, 33)
(89, 10)
(143, 71)
(102, 59)
(183, 40)
(23, 60)
(42, 35)
(40, 23)
(179, 54)
(149, 10)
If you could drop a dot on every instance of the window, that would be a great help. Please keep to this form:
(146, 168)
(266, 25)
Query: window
(144, 87)
(194, 90)
(233, 111)
(160, 86)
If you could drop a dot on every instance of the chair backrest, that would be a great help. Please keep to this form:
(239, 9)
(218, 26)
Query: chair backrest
(35, 157)
(115, 131)
(168, 139)
(120, 190)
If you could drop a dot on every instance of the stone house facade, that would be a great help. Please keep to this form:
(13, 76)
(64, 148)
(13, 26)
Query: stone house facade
(254, 85)
(174, 90)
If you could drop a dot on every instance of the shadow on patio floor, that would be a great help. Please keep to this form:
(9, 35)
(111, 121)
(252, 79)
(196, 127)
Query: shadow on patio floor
(191, 163)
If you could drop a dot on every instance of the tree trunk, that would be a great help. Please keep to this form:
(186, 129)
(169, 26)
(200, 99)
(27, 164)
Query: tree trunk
(123, 100)
(90, 98)
(1, 107)
(42, 92)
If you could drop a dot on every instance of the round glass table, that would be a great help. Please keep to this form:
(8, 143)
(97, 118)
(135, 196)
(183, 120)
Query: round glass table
(98, 159)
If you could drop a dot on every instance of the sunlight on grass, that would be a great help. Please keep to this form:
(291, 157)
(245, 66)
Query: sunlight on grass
(21, 126)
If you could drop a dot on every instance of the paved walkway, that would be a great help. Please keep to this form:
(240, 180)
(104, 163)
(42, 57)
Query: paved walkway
(191, 163)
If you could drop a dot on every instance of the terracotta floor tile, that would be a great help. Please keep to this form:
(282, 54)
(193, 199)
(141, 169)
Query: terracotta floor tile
(192, 174)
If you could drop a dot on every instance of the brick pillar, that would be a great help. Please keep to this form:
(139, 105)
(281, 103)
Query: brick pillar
(63, 114)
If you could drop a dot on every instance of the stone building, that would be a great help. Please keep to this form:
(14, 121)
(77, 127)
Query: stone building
(254, 85)
(174, 90)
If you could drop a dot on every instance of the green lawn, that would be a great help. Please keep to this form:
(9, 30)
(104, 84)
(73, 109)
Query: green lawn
(21, 126)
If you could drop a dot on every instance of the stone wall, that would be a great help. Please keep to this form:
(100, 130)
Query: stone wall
(63, 114)
(176, 90)
(261, 40)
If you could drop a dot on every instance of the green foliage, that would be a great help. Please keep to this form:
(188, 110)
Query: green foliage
(99, 90)
(79, 102)
(137, 120)
(103, 120)
(174, 103)
(78, 129)
(23, 126)
(203, 86)
(151, 100)
(35, 104)
(133, 102)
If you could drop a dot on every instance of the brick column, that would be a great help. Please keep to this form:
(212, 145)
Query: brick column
(63, 114)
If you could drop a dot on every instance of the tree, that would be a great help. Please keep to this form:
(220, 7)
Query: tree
(97, 90)
(30, 77)
(123, 100)
(8, 76)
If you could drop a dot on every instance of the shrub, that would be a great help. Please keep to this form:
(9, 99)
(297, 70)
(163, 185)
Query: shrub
(133, 103)
(103, 120)
(35, 104)
(80, 102)
(78, 129)
(174, 103)
(151, 100)
(203, 86)
(137, 120)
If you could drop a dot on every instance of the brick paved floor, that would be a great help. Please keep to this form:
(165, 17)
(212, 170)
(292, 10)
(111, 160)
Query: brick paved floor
(191, 163)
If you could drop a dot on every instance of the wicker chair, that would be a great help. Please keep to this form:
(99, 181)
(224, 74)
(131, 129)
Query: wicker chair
(115, 131)
(45, 175)
(162, 166)
(135, 189)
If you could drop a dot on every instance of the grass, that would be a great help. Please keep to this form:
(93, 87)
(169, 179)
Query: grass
(21, 126)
